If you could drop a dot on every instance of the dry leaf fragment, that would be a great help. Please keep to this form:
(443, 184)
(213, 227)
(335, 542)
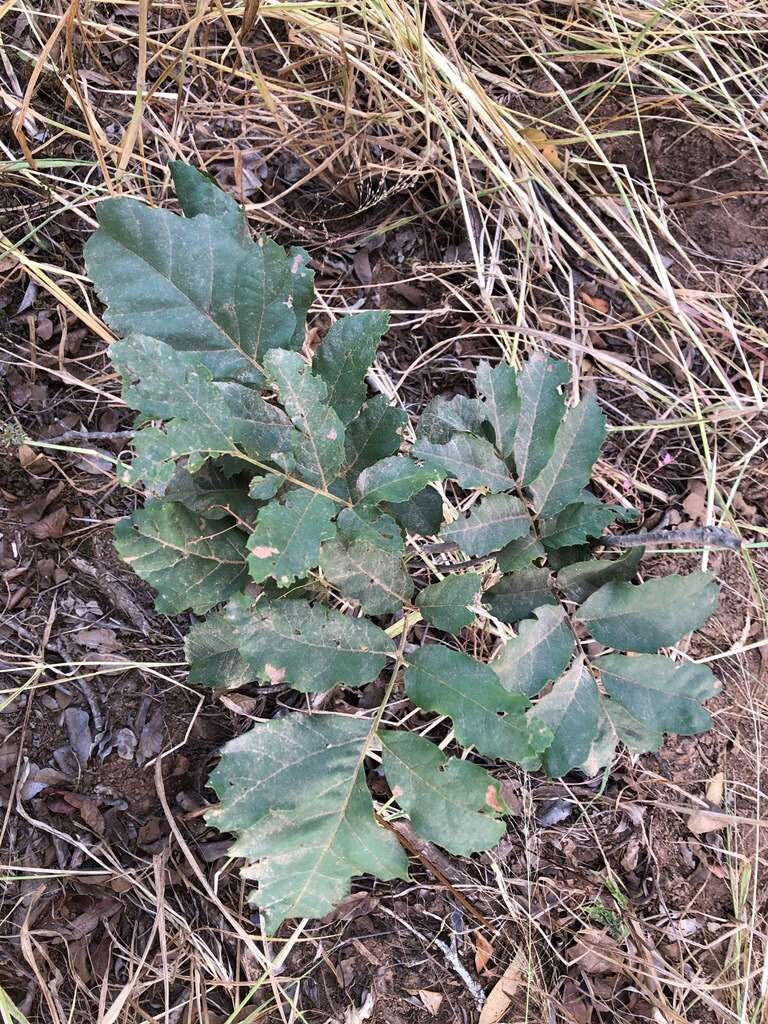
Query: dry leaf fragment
(357, 1014)
(431, 1000)
(77, 722)
(700, 822)
(695, 503)
(483, 952)
(151, 738)
(29, 457)
(125, 742)
(51, 526)
(594, 302)
(596, 952)
(578, 1008)
(98, 639)
(362, 266)
(503, 992)
(32, 511)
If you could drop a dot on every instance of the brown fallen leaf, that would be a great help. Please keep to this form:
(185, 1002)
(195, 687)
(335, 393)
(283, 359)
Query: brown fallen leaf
(98, 639)
(483, 952)
(87, 808)
(355, 905)
(77, 722)
(431, 1000)
(503, 992)
(700, 822)
(595, 302)
(695, 502)
(151, 738)
(596, 952)
(574, 1001)
(51, 525)
(32, 511)
(31, 459)
(44, 329)
(358, 1014)
(362, 265)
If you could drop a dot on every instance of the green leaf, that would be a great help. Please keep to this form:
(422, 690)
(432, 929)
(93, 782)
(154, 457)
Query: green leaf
(496, 521)
(559, 558)
(394, 479)
(469, 460)
(649, 615)
(579, 580)
(294, 790)
(645, 696)
(198, 193)
(374, 435)
(442, 417)
(520, 553)
(540, 652)
(368, 524)
(192, 562)
(576, 523)
(577, 445)
(583, 736)
(286, 539)
(515, 596)
(195, 284)
(444, 604)
(214, 495)
(364, 573)
(422, 514)
(484, 714)
(662, 695)
(302, 283)
(453, 803)
(345, 356)
(262, 488)
(319, 451)
(206, 418)
(541, 409)
(307, 646)
(498, 386)
(212, 647)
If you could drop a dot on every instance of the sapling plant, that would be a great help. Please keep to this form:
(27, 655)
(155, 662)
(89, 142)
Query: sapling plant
(314, 534)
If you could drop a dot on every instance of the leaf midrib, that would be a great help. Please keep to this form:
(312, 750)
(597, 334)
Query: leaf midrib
(235, 344)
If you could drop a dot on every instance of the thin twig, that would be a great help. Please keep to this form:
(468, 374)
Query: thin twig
(450, 955)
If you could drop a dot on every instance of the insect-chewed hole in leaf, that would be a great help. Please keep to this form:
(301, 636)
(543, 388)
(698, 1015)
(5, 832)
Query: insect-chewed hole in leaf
(220, 373)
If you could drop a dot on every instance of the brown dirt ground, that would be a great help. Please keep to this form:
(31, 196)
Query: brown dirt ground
(678, 888)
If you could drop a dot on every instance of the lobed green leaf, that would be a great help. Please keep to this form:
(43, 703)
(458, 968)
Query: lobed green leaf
(469, 460)
(497, 520)
(451, 802)
(541, 409)
(577, 445)
(501, 406)
(191, 562)
(345, 356)
(294, 791)
(541, 650)
(367, 574)
(484, 714)
(286, 539)
(307, 646)
(444, 604)
(647, 616)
